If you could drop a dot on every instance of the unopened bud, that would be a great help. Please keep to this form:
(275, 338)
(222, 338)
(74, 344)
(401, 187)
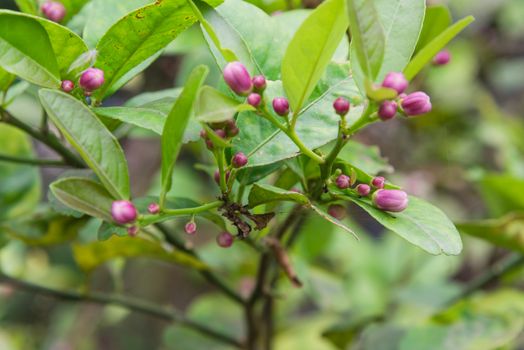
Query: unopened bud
(238, 78)
(337, 211)
(396, 81)
(259, 82)
(190, 228)
(341, 106)
(378, 182)
(442, 58)
(225, 239)
(343, 181)
(153, 208)
(67, 86)
(123, 212)
(363, 190)
(254, 99)
(239, 160)
(281, 106)
(390, 200)
(416, 103)
(91, 79)
(387, 110)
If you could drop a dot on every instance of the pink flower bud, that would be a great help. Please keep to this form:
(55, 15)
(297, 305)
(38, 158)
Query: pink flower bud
(387, 110)
(390, 200)
(259, 82)
(281, 106)
(442, 58)
(53, 10)
(91, 79)
(416, 103)
(132, 231)
(337, 211)
(341, 106)
(238, 79)
(153, 208)
(343, 181)
(123, 212)
(190, 228)
(396, 81)
(378, 182)
(225, 239)
(254, 99)
(67, 86)
(231, 128)
(239, 160)
(363, 190)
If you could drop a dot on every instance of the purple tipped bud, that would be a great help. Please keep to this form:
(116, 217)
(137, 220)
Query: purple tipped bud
(225, 239)
(132, 231)
(123, 212)
(442, 58)
(396, 81)
(343, 181)
(281, 106)
(390, 200)
(91, 79)
(239, 160)
(341, 106)
(259, 82)
(67, 86)
(221, 133)
(378, 182)
(363, 190)
(387, 110)
(416, 103)
(337, 211)
(153, 208)
(190, 228)
(53, 10)
(254, 99)
(238, 78)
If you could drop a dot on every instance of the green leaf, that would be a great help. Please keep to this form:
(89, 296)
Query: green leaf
(368, 39)
(26, 51)
(507, 231)
(434, 46)
(316, 126)
(176, 124)
(146, 118)
(28, 6)
(214, 107)
(379, 93)
(19, 184)
(6, 79)
(436, 20)
(95, 144)
(311, 49)
(367, 158)
(136, 38)
(90, 256)
(332, 220)
(72, 8)
(85, 195)
(420, 223)
(262, 194)
(107, 230)
(500, 197)
(104, 13)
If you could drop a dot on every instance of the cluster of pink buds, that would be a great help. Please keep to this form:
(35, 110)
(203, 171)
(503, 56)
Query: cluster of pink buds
(53, 10)
(224, 130)
(416, 103)
(384, 199)
(90, 80)
(125, 213)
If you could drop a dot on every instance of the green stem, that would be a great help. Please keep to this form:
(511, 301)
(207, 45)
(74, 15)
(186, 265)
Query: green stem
(219, 156)
(34, 162)
(362, 121)
(126, 302)
(169, 213)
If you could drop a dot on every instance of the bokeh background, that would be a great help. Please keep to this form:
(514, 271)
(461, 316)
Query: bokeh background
(466, 156)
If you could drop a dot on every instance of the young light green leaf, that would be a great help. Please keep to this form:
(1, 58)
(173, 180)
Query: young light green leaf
(146, 118)
(214, 107)
(175, 126)
(421, 224)
(379, 93)
(432, 48)
(262, 194)
(436, 20)
(368, 39)
(311, 49)
(84, 195)
(89, 256)
(96, 145)
(26, 51)
(6, 79)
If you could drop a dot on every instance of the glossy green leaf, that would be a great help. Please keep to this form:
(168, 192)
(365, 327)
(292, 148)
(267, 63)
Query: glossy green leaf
(317, 124)
(28, 6)
(146, 118)
(26, 50)
(507, 231)
(332, 220)
(84, 195)
(429, 51)
(86, 133)
(436, 20)
(420, 223)
(176, 124)
(500, 198)
(19, 184)
(6, 79)
(90, 256)
(72, 8)
(214, 107)
(311, 49)
(104, 13)
(367, 158)
(262, 194)
(367, 36)
(138, 37)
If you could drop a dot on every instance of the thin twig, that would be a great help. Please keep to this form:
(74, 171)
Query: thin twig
(129, 303)
(53, 163)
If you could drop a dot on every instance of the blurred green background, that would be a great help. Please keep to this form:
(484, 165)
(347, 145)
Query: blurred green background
(467, 157)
